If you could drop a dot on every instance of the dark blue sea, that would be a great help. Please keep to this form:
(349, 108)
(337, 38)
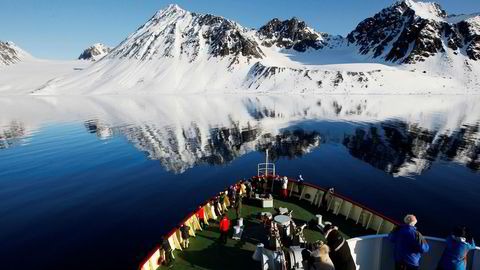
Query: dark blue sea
(93, 183)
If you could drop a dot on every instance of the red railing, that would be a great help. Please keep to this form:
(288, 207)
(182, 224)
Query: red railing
(173, 230)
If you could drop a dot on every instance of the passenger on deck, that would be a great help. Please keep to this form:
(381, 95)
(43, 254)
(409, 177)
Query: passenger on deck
(249, 189)
(224, 226)
(409, 244)
(265, 185)
(327, 198)
(218, 206)
(233, 194)
(168, 260)
(243, 189)
(300, 184)
(459, 243)
(260, 185)
(339, 250)
(238, 207)
(185, 234)
(266, 221)
(320, 259)
(284, 191)
(201, 217)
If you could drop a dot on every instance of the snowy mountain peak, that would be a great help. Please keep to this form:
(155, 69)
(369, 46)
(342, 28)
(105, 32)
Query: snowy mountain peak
(172, 10)
(177, 50)
(412, 31)
(95, 52)
(174, 7)
(176, 33)
(11, 53)
(423, 9)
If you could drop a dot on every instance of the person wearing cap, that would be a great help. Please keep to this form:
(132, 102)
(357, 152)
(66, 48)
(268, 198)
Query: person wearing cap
(409, 244)
(458, 244)
(339, 250)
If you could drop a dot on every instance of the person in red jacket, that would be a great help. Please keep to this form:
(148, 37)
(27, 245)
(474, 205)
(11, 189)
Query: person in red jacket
(201, 217)
(224, 226)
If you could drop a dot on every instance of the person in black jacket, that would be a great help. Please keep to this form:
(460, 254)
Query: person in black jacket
(168, 260)
(185, 234)
(339, 250)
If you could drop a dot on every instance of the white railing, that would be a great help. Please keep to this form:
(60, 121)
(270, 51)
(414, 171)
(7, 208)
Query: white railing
(376, 253)
(266, 169)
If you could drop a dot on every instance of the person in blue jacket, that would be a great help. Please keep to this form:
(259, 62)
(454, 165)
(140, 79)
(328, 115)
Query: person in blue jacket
(409, 244)
(459, 243)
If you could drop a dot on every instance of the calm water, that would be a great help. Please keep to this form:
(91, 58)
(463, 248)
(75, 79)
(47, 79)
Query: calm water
(93, 183)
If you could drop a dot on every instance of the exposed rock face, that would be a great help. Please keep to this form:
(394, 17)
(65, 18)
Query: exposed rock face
(410, 32)
(95, 52)
(11, 53)
(292, 34)
(174, 32)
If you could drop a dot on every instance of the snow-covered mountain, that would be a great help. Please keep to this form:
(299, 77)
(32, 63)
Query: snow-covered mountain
(411, 31)
(409, 47)
(11, 53)
(95, 52)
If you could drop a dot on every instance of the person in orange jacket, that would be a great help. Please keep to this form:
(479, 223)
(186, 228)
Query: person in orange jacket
(224, 226)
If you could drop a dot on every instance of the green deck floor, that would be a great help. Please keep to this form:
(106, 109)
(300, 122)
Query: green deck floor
(205, 251)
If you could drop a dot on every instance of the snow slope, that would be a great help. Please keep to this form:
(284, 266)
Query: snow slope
(21, 78)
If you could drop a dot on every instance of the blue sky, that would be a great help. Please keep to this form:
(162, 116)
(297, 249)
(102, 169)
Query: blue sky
(61, 29)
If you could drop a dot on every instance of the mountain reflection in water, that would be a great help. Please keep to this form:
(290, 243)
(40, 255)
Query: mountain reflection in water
(179, 152)
(403, 149)
(103, 169)
(396, 146)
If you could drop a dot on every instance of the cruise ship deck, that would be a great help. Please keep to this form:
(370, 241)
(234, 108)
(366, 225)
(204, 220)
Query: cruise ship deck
(206, 251)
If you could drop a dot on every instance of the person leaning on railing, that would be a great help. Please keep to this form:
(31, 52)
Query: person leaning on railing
(409, 244)
(185, 235)
(340, 252)
(167, 251)
(201, 217)
(458, 244)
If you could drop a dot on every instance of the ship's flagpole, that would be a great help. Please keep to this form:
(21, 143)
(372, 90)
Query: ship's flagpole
(273, 178)
(266, 160)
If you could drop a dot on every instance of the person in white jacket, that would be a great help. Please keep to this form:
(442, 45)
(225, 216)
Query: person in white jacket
(284, 191)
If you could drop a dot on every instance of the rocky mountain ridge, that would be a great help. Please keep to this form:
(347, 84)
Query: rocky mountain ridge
(95, 52)
(293, 34)
(177, 33)
(410, 32)
(409, 47)
(11, 53)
